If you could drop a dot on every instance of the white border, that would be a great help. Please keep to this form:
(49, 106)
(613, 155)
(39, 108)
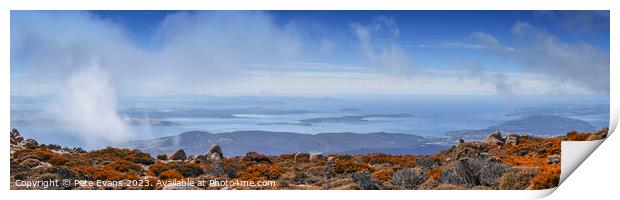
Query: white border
(291, 5)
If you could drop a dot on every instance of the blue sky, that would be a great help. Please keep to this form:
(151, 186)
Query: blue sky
(315, 52)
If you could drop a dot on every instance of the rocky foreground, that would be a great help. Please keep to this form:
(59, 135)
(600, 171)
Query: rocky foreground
(498, 162)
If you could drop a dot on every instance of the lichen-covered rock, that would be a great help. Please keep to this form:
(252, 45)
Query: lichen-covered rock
(215, 153)
(215, 157)
(512, 139)
(16, 138)
(178, 155)
(552, 159)
(494, 138)
(315, 157)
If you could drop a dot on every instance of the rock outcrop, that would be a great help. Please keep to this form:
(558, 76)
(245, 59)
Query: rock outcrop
(16, 138)
(315, 157)
(495, 139)
(256, 157)
(177, 155)
(215, 153)
(552, 159)
(512, 139)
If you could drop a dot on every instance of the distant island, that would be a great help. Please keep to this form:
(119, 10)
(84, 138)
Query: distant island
(339, 119)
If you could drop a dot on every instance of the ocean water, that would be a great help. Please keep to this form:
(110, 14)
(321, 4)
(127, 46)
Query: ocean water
(431, 116)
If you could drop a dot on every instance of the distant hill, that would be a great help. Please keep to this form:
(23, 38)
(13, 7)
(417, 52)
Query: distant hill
(540, 125)
(274, 143)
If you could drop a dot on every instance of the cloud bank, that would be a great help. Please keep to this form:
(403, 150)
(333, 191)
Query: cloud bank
(540, 52)
(90, 60)
(192, 48)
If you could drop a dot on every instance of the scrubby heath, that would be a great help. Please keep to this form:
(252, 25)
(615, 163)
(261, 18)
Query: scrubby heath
(497, 162)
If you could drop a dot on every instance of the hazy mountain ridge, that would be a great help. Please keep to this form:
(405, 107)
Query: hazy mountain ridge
(274, 143)
(541, 125)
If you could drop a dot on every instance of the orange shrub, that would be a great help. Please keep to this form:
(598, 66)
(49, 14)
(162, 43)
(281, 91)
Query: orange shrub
(186, 169)
(348, 166)
(43, 153)
(124, 166)
(548, 177)
(22, 152)
(261, 172)
(524, 161)
(113, 154)
(379, 158)
(58, 160)
(533, 146)
(78, 160)
(170, 174)
(131, 176)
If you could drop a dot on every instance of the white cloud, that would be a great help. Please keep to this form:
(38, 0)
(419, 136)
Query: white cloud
(197, 48)
(577, 63)
(86, 107)
(388, 54)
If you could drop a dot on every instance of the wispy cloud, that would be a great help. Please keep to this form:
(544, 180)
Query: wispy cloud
(388, 55)
(476, 40)
(542, 52)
